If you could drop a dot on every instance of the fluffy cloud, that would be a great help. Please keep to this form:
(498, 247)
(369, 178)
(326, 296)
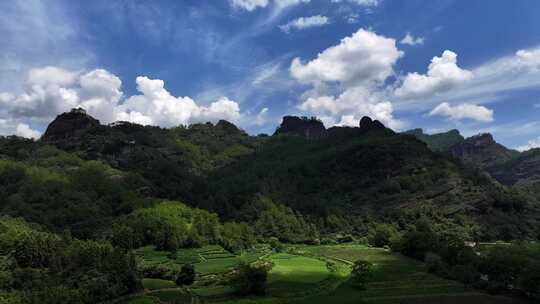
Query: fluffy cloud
(16, 127)
(443, 74)
(529, 57)
(486, 83)
(24, 130)
(249, 5)
(304, 22)
(51, 75)
(53, 90)
(350, 106)
(364, 57)
(354, 69)
(411, 40)
(463, 111)
(531, 144)
(158, 107)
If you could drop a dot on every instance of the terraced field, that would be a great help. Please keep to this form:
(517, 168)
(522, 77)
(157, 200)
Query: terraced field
(396, 279)
(207, 260)
(302, 276)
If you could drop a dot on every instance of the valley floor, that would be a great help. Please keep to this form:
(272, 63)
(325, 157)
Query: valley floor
(302, 276)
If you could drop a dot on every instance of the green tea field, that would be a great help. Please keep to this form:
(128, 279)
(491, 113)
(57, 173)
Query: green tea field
(307, 274)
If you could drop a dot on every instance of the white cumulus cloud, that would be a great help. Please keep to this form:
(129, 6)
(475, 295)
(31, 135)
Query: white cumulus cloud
(364, 57)
(463, 111)
(52, 90)
(304, 23)
(24, 130)
(443, 75)
(411, 40)
(158, 106)
(353, 71)
(12, 126)
(350, 106)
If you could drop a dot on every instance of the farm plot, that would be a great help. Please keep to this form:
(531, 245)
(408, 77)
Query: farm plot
(396, 279)
(207, 260)
(293, 274)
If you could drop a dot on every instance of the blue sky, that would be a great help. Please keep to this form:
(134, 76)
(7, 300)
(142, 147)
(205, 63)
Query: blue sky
(436, 64)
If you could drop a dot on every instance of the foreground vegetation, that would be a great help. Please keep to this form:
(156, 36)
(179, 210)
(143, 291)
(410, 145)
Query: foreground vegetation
(321, 274)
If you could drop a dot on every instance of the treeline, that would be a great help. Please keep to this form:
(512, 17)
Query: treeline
(41, 267)
(496, 267)
(171, 225)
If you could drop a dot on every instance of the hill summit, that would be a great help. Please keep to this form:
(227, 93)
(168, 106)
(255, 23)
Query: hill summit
(69, 125)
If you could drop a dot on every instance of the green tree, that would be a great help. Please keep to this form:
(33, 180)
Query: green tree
(361, 273)
(186, 276)
(251, 279)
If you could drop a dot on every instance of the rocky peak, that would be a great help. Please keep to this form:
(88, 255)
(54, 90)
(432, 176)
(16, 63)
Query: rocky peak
(69, 124)
(367, 124)
(481, 140)
(303, 126)
(228, 127)
(482, 151)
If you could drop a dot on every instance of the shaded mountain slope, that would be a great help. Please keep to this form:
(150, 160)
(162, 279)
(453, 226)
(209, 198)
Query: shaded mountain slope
(482, 151)
(340, 180)
(356, 176)
(439, 142)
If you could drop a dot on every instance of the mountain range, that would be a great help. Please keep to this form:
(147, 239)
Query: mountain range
(320, 181)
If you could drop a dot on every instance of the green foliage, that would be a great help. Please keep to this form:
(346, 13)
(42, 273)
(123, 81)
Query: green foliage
(361, 273)
(439, 142)
(42, 267)
(61, 191)
(171, 225)
(511, 266)
(186, 275)
(383, 235)
(251, 278)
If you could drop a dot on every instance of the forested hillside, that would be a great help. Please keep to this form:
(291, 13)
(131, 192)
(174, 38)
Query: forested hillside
(85, 195)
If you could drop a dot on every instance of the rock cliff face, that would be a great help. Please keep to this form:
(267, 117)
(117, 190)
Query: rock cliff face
(366, 124)
(482, 151)
(311, 128)
(439, 142)
(523, 170)
(69, 126)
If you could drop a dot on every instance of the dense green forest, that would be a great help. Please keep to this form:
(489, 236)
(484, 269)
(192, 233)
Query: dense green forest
(77, 202)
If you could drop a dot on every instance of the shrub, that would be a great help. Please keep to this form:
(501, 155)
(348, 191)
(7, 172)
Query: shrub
(186, 276)
(382, 234)
(251, 278)
(361, 272)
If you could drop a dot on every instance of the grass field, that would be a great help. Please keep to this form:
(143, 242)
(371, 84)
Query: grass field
(293, 273)
(154, 284)
(207, 260)
(302, 277)
(396, 280)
